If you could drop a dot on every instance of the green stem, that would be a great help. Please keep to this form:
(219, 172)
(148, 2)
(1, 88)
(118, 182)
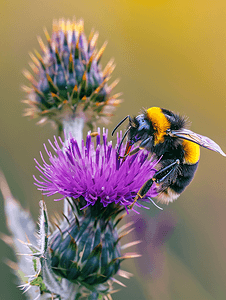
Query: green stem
(74, 127)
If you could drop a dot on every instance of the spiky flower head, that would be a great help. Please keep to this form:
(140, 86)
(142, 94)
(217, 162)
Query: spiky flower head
(68, 80)
(95, 172)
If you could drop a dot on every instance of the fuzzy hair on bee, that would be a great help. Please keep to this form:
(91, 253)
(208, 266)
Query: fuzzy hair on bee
(166, 135)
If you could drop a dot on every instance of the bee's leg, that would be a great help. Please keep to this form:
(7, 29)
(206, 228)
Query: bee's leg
(159, 176)
(141, 147)
(145, 142)
(162, 174)
(134, 151)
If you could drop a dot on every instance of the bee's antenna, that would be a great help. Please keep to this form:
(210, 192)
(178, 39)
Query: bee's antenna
(117, 126)
(120, 144)
(155, 204)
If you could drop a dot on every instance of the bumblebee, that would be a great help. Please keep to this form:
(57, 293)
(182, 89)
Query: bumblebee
(166, 135)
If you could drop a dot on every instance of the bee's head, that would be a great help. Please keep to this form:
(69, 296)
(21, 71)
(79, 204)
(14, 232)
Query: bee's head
(140, 129)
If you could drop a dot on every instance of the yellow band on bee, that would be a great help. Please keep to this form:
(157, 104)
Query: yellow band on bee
(191, 152)
(159, 123)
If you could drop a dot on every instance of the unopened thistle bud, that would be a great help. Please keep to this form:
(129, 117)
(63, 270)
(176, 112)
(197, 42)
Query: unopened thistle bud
(80, 258)
(86, 248)
(69, 82)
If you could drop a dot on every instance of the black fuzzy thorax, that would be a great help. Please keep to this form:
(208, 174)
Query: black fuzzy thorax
(176, 121)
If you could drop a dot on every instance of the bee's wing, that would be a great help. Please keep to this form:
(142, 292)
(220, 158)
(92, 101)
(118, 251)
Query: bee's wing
(198, 139)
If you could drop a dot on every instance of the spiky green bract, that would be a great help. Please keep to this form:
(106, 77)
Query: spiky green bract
(88, 251)
(69, 82)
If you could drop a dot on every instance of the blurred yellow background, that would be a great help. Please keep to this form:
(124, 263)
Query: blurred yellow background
(170, 54)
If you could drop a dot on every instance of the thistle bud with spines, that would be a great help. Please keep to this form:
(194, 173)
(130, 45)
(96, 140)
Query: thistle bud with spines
(68, 80)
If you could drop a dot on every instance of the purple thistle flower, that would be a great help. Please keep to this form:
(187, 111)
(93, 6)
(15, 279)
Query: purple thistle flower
(95, 172)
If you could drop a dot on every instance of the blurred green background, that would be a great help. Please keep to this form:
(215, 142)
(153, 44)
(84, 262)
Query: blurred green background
(170, 54)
